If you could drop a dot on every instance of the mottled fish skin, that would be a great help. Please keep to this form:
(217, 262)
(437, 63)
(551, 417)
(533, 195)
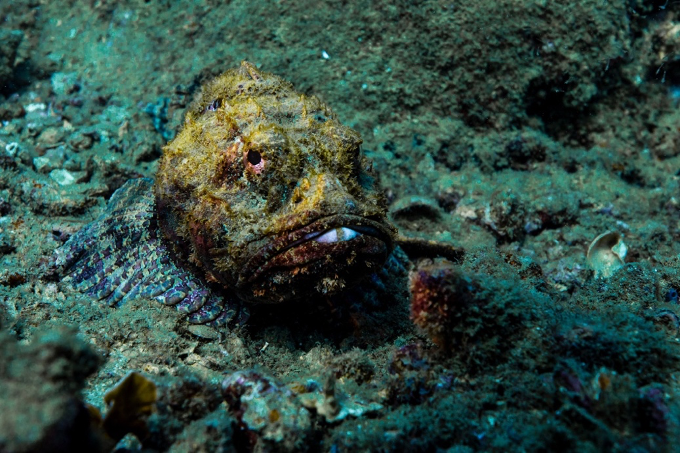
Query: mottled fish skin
(266, 192)
(264, 197)
(120, 256)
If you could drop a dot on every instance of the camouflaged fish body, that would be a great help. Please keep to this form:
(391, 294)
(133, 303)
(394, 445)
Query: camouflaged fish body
(263, 197)
(120, 256)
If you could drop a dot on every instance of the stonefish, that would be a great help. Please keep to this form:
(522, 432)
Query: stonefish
(263, 197)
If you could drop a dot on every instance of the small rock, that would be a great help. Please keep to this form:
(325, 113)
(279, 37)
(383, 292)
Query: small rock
(36, 112)
(80, 141)
(203, 331)
(42, 196)
(42, 164)
(506, 215)
(36, 107)
(26, 153)
(269, 413)
(334, 406)
(73, 164)
(146, 152)
(115, 114)
(65, 83)
(449, 198)
(40, 387)
(51, 136)
(53, 159)
(415, 207)
(8, 163)
(65, 177)
(9, 111)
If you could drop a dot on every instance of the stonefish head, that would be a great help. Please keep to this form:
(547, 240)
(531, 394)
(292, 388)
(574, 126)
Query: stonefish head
(265, 192)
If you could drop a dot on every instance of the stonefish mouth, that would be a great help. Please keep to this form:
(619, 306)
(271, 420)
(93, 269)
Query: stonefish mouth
(337, 234)
(342, 248)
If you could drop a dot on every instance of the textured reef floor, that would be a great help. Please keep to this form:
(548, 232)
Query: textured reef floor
(519, 131)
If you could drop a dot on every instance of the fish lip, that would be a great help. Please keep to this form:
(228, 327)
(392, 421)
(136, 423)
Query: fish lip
(282, 243)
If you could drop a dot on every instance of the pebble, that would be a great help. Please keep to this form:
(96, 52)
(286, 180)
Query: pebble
(79, 141)
(65, 83)
(51, 136)
(415, 206)
(204, 332)
(53, 159)
(65, 177)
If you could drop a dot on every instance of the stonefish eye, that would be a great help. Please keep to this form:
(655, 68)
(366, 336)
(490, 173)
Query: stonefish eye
(254, 161)
(254, 157)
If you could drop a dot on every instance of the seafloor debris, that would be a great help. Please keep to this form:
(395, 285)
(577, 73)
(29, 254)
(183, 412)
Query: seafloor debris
(506, 213)
(270, 415)
(333, 404)
(478, 313)
(414, 207)
(129, 403)
(606, 254)
(276, 417)
(436, 296)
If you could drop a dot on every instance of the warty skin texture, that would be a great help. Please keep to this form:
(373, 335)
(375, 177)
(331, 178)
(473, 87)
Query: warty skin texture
(257, 168)
(263, 197)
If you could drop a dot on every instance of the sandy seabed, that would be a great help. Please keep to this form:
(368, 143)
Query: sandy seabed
(518, 131)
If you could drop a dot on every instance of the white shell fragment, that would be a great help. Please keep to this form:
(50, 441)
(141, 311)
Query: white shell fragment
(606, 254)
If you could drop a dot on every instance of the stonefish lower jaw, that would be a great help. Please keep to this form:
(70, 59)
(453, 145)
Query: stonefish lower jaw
(317, 256)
